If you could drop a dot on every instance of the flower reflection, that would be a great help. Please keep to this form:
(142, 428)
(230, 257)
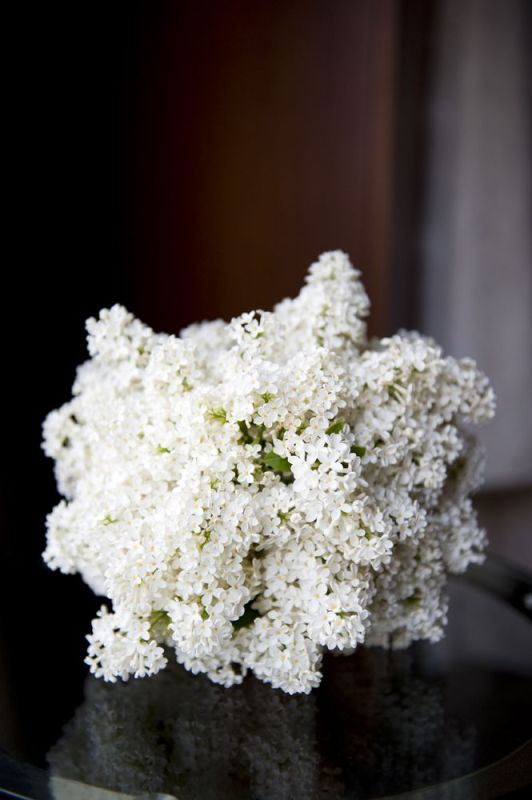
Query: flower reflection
(375, 726)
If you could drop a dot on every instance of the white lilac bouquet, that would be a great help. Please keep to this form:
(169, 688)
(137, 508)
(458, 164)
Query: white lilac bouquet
(251, 494)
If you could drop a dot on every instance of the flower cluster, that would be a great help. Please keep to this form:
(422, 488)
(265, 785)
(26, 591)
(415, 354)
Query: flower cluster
(252, 494)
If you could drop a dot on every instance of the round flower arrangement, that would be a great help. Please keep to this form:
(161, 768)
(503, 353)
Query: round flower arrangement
(251, 494)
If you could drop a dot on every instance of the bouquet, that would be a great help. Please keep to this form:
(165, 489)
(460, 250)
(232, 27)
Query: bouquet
(251, 494)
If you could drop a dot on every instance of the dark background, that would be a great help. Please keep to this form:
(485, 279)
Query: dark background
(188, 161)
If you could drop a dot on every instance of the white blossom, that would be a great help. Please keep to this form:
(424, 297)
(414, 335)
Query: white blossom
(251, 494)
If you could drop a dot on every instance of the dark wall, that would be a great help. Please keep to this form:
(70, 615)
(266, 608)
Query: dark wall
(267, 139)
(72, 74)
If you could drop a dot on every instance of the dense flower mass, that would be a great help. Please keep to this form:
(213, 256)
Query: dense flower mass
(254, 493)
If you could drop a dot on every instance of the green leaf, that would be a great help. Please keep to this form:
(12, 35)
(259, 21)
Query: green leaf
(246, 437)
(250, 434)
(217, 415)
(207, 538)
(159, 618)
(413, 601)
(367, 533)
(395, 391)
(161, 450)
(259, 433)
(276, 462)
(248, 617)
(336, 427)
(357, 450)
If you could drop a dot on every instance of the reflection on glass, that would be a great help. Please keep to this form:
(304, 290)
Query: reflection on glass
(381, 723)
(376, 726)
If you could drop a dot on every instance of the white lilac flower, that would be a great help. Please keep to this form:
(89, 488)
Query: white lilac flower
(254, 493)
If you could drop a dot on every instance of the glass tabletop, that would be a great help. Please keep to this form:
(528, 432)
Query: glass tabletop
(447, 720)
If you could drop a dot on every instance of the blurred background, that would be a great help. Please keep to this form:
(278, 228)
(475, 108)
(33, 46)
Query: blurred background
(190, 160)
